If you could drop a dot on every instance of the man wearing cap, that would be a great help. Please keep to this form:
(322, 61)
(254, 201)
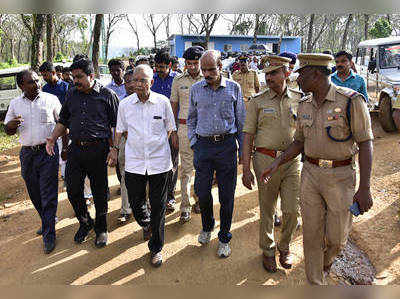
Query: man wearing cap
(332, 122)
(269, 128)
(247, 79)
(291, 80)
(180, 105)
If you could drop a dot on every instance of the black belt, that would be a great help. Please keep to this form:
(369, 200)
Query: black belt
(87, 142)
(215, 138)
(36, 148)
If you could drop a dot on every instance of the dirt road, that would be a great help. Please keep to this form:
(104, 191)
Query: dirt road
(126, 260)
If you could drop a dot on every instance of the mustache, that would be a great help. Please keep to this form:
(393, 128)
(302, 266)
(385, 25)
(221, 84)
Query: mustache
(207, 78)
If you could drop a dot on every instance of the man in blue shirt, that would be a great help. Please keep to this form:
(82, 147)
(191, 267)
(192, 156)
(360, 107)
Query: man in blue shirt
(346, 77)
(53, 85)
(162, 84)
(215, 121)
(117, 68)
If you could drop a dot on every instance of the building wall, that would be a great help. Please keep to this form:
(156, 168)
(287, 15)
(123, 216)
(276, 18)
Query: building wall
(183, 42)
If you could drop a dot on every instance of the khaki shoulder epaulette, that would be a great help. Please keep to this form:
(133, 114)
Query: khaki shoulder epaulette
(348, 92)
(257, 95)
(306, 98)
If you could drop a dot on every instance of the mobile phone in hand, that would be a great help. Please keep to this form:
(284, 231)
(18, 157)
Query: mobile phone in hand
(355, 209)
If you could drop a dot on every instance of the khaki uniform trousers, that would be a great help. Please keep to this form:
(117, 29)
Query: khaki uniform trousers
(285, 182)
(186, 156)
(325, 197)
(125, 207)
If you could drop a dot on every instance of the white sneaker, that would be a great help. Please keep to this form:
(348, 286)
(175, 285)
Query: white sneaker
(204, 237)
(223, 249)
(156, 259)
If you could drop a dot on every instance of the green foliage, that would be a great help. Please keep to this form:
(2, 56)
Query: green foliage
(242, 28)
(381, 28)
(10, 63)
(6, 141)
(143, 51)
(59, 57)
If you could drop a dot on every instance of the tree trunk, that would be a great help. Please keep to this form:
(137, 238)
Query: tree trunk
(49, 37)
(37, 41)
(96, 43)
(366, 21)
(346, 32)
(256, 25)
(12, 56)
(19, 50)
(155, 40)
(310, 34)
(107, 43)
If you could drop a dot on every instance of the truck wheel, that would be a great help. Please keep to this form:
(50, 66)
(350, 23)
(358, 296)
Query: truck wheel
(385, 115)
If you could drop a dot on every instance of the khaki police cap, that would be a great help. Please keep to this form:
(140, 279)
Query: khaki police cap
(314, 59)
(274, 62)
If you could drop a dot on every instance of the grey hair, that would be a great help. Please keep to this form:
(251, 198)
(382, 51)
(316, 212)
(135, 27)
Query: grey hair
(215, 54)
(145, 69)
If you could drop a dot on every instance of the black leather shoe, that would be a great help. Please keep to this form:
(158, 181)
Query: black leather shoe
(101, 240)
(39, 232)
(83, 231)
(49, 247)
(277, 220)
(185, 217)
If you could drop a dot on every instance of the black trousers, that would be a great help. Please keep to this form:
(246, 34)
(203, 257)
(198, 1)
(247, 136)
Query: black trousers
(90, 161)
(173, 173)
(136, 186)
(40, 173)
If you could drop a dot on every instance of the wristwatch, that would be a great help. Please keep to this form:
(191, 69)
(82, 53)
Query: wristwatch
(115, 147)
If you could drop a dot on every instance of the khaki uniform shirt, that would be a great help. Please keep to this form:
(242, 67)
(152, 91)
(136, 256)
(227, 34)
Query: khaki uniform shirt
(248, 82)
(180, 91)
(313, 123)
(272, 119)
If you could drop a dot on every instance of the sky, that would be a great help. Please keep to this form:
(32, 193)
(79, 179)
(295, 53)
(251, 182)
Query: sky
(124, 36)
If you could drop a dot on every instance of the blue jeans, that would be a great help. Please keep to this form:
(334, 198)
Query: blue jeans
(220, 157)
(40, 173)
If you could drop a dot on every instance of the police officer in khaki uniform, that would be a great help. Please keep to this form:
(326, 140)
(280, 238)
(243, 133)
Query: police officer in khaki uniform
(291, 80)
(180, 105)
(269, 128)
(332, 122)
(247, 79)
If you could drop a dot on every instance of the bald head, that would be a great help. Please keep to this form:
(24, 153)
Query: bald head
(213, 55)
(211, 67)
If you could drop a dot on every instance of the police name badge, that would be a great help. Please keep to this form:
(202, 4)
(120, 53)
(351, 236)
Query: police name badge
(269, 110)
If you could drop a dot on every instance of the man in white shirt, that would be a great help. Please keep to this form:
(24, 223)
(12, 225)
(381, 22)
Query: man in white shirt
(148, 119)
(34, 115)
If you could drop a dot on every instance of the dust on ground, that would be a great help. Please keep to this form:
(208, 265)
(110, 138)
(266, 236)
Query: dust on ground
(125, 260)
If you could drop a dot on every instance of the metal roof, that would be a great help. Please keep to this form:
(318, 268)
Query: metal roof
(234, 36)
(379, 41)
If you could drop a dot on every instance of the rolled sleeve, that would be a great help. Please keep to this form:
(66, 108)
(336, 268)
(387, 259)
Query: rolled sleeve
(65, 115)
(121, 123)
(360, 120)
(174, 91)
(10, 113)
(363, 89)
(240, 115)
(250, 125)
(169, 117)
(192, 118)
(113, 109)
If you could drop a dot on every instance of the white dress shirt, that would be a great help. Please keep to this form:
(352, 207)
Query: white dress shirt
(147, 147)
(39, 117)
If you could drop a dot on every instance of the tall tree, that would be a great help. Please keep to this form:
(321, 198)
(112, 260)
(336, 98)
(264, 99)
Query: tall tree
(50, 37)
(133, 24)
(310, 33)
(153, 25)
(346, 32)
(167, 21)
(366, 23)
(208, 21)
(37, 40)
(112, 21)
(96, 43)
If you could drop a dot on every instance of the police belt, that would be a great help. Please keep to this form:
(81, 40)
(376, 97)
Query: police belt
(215, 138)
(35, 148)
(328, 163)
(268, 152)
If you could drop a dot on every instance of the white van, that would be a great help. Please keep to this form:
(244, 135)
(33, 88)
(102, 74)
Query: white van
(8, 87)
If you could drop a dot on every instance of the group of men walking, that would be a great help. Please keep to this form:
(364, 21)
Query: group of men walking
(143, 121)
